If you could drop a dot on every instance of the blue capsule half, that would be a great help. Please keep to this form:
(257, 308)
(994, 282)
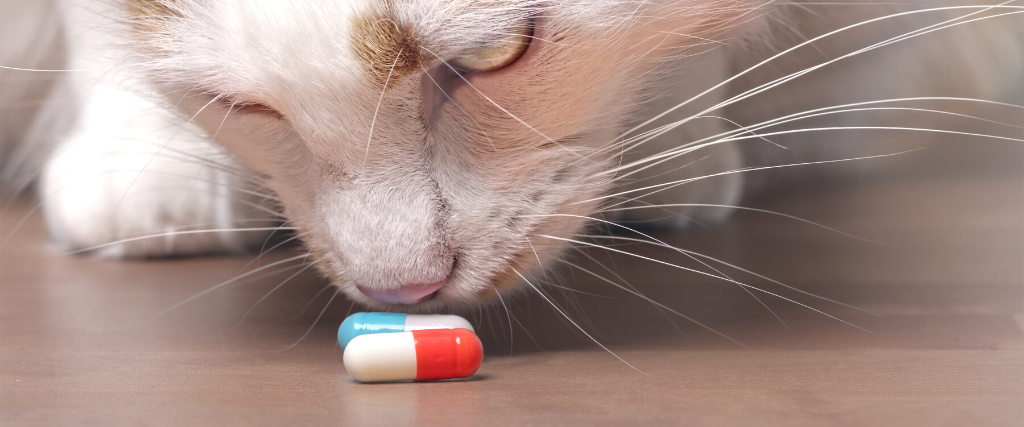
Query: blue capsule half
(381, 323)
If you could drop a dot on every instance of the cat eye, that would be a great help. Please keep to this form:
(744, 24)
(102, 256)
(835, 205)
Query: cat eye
(255, 108)
(500, 53)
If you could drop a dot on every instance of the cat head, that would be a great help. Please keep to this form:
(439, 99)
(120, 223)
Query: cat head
(423, 148)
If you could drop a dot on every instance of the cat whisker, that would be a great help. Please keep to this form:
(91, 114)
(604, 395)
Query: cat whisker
(661, 307)
(634, 231)
(39, 205)
(202, 162)
(315, 321)
(686, 148)
(271, 212)
(790, 287)
(664, 186)
(906, 36)
(524, 328)
(527, 237)
(623, 281)
(155, 155)
(508, 314)
(675, 205)
(235, 188)
(557, 308)
(307, 267)
(723, 275)
(26, 183)
(223, 284)
(792, 76)
(264, 250)
(81, 70)
(221, 166)
(705, 274)
(313, 299)
(167, 234)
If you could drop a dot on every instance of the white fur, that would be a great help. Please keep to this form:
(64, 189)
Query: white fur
(435, 177)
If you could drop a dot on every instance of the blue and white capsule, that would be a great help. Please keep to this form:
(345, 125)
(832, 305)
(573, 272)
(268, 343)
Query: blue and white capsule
(382, 323)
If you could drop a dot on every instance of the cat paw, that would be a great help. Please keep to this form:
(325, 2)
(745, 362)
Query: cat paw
(138, 189)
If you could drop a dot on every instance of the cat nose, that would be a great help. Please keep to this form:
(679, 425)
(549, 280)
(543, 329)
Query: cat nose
(406, 295)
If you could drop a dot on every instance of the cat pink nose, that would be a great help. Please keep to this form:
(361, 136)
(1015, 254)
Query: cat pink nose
(407, 295)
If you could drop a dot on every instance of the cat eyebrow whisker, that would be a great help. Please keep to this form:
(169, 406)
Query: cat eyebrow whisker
(464, 79)
(377, 110)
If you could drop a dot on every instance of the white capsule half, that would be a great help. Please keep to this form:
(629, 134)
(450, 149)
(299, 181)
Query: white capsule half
(381, 357)
(421, 355)
(415, 322)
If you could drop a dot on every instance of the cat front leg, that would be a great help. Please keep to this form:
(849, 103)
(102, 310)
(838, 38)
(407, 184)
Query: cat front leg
(135, 180)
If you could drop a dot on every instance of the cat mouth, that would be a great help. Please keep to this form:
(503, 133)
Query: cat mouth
(406, 295)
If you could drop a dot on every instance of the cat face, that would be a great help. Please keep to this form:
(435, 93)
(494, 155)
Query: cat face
(418, 177)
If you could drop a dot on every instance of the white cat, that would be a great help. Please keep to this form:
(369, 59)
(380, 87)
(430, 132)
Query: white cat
(436, 153)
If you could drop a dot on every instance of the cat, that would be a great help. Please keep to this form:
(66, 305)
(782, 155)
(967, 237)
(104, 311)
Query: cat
(441, 153)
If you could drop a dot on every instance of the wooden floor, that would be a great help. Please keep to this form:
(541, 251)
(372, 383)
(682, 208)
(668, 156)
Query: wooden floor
(940, 342)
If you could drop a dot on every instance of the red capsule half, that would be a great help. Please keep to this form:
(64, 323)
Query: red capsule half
(447, 353)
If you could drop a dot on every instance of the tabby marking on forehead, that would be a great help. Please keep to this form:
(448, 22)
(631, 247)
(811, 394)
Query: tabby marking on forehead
(149, 20)
(385, 46)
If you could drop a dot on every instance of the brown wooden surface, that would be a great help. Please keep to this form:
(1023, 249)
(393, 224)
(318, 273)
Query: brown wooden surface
(79, 344)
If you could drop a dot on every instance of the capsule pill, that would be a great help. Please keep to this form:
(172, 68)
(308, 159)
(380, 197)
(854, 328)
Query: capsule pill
(378, 323)
(427, 354)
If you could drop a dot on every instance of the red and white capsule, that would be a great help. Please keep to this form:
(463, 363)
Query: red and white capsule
(429, 354)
